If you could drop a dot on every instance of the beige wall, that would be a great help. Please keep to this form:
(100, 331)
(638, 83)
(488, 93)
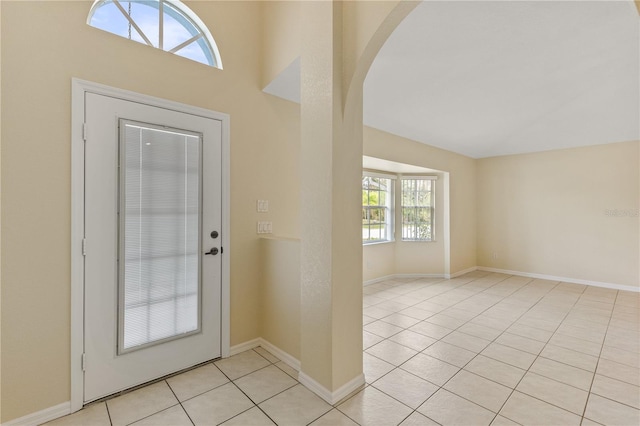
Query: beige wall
(462, 194)
(280, 293)
(546, 213)
(280, 37)
(37, 67)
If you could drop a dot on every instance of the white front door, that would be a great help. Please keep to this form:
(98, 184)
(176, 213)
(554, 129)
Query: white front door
(153, 247)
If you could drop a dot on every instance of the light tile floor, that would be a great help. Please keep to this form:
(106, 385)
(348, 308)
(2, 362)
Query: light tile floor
(475, 350)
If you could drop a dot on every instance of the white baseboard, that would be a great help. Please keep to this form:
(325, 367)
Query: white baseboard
(395, 276)
(464, 271)
(562, 279)
(242, 347)
(378, 280)
(291, 361)
(324, 393)
(42, 416)
(287, 358)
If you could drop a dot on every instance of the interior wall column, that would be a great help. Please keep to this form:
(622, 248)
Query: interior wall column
(331, 246)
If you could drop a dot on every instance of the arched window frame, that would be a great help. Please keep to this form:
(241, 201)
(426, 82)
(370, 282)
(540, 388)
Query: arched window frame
(186, 13)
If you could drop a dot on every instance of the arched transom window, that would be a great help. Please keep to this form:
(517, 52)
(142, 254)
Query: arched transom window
(168, 25)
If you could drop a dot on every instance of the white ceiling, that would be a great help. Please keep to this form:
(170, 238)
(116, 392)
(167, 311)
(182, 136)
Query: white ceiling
(488, 78)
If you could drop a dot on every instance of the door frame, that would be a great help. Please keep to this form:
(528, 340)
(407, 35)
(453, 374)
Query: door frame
(78, 90)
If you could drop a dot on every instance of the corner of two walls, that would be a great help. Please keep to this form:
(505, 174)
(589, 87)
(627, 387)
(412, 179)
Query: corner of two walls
(458, 174)
(570, 213)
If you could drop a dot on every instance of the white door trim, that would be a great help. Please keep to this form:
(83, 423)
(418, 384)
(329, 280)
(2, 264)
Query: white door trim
(78, 90)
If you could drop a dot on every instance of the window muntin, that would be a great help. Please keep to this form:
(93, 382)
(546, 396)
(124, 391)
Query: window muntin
(168, 25)
(377, 214)
(418, 196)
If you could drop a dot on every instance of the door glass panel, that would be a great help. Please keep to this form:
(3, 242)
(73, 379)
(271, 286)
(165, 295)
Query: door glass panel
(159, 234)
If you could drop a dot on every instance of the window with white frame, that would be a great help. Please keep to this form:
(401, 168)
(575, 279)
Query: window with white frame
(418, 208)
(167, 25)
(377, 208)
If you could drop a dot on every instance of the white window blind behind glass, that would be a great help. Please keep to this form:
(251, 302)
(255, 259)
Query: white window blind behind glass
(160, 175)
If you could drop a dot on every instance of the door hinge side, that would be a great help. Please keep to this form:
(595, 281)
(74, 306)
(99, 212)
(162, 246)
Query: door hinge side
(85, 130)
(84, 246)
(83, 362)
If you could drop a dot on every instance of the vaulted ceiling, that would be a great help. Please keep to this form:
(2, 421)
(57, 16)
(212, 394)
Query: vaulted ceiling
(488, 78)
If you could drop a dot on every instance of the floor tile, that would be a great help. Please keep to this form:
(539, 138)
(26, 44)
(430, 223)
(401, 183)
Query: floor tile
(465, 341)
(490, 322)
(413, 340)
(446, 321)
(605, 411)
(575, 344)
(618, 371)
(241, 364)
(449, 409)
(217, 405)
(556, 393)
(628, 344)
(94, 414)
(449, 353)
(591, 335)
(508, 355)
(287, 369)
(376, 312)
(563, 373)
(374, 368)
(266, 354)
(431, 330)
(400, 320)
(616, 390)
(265, 383)
(370, 339)
(503, 421)
(382, 329)
(527, 410)
(417, 313)
(483, 392)
(174, 416)
(530, 332)
(431, 369)
(372, 407)
(417, 419)
(334, 418)
(140, 403)
(480, 331)
(406, 387)
(295, 406)
(497, 371)
(567, 356)
(251, 417)
(391, 352)
(196, 381)
(523, 343)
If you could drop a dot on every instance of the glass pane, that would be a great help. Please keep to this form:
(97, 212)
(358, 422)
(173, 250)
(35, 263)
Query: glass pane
(159, 234)
(109, 18)
(145, 14)
(176, 28)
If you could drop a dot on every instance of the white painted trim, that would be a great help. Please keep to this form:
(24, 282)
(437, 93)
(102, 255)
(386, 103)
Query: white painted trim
(285, 357)
(324, 393)
(378, 280)
(42, 416)
(242, 347)
(395, 276)
(77, 234)
(78, 90)
(563, 279)
(464, 271)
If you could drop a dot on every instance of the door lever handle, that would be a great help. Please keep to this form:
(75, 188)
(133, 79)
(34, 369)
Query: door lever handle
(213, 251)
